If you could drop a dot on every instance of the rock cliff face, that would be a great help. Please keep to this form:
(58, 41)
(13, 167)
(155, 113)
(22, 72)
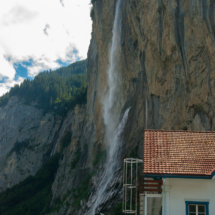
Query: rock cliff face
(167, 63)
(166, 70)
(28, 138)
(25, 138)
(167, 67)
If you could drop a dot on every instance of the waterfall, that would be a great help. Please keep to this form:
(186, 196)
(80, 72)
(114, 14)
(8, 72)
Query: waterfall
(146, 115)
(112, 163)
(111, 112)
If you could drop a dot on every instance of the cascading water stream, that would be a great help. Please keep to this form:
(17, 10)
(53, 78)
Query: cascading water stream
(110, 102)
(112, 112)
(112, 162)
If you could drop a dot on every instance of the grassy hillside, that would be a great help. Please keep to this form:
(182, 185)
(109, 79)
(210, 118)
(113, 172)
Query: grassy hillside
(57, 91)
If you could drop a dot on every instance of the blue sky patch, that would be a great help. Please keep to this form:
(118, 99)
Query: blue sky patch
(70, 55)
(3, 80)
(62, 63)
(22, 68)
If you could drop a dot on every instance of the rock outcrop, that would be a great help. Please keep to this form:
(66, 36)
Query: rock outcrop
(167, 67)
(28, 138)
(25, 138)
(168, 62)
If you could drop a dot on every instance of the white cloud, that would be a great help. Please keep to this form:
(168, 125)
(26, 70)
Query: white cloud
(62, 2)
(6, 68)
(18, 14)
(5, 87)
(41, 64)
(7, 74)
(44, 31)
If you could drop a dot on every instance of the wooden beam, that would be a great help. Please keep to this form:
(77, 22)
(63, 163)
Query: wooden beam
(149, 185)
(151, 181)
(152, 190)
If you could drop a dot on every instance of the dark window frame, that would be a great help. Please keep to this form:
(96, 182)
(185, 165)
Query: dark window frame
(197, 203)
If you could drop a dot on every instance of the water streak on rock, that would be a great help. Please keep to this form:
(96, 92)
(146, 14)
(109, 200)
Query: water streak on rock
(112, 164)
(111, 112)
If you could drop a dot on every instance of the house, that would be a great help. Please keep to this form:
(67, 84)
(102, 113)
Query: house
(179, 173)
(184, 162)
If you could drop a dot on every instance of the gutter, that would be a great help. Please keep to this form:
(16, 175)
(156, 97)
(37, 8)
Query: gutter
(164, 196)
(180, 176)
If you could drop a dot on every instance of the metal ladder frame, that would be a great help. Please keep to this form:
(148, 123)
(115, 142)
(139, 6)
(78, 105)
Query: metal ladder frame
(129, 187)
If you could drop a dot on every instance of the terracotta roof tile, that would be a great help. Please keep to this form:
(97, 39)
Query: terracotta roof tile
(179, 152)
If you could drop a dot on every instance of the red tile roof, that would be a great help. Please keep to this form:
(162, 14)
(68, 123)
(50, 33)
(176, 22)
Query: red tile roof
(179, 152)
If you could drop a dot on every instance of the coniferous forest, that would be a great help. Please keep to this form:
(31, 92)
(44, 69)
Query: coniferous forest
(57, 91)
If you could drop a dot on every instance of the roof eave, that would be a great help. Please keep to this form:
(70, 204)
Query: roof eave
(178, 176)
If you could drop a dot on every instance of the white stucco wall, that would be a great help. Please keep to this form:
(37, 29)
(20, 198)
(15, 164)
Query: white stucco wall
(177, 191)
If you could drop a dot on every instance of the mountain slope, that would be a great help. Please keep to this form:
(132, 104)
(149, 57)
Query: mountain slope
(53, 90)
(30, 128)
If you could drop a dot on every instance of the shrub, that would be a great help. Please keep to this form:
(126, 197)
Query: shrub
(66, 139)
(76, 158)
(83, 190)
(100, 157)
(134, 152)
(118, 209)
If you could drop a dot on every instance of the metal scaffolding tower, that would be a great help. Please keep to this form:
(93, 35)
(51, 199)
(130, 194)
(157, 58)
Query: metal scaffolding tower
(130, 185)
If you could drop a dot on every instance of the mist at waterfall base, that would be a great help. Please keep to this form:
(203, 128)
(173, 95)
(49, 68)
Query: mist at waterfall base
(112, 164)
(111, 116)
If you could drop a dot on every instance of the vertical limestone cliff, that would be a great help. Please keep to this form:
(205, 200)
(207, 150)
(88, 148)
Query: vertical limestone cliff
(167, 68)
(26, 137)
(167, 62)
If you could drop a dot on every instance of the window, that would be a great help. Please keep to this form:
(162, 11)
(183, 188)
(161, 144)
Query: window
(197, 208)
(153, 204)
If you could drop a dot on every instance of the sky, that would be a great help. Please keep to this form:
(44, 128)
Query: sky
(38, 35)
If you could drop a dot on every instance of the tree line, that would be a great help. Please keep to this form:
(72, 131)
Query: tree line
(57, 91)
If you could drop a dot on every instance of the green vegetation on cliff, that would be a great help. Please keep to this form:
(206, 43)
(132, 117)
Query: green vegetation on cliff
(82, 191)
(57, 91)
(33, 195)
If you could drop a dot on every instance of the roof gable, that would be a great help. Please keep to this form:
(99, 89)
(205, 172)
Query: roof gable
(179, 152)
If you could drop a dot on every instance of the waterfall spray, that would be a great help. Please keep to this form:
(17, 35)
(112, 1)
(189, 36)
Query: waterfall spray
(111, 113)
(112, 162)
